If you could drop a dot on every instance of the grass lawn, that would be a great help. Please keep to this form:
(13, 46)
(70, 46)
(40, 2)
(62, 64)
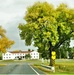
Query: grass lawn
(2, 64)
(62, 66)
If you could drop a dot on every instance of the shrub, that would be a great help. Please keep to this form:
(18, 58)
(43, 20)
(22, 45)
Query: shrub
(0, 58)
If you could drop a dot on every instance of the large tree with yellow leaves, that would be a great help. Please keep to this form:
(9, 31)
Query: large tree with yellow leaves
(5, 43)
(47, 26)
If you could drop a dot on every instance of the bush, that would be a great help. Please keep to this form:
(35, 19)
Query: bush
(0, 58)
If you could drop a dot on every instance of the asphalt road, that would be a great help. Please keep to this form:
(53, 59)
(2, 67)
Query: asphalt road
(20, 68)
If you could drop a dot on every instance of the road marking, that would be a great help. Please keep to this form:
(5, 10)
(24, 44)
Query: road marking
(34, 70)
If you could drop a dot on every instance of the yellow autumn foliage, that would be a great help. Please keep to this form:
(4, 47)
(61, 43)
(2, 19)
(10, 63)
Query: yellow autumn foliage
(5, 43)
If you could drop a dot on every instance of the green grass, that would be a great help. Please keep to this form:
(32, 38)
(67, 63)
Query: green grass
(6, 60)
(2, 65)
(65, 66)
(34, 61)
(62, 66)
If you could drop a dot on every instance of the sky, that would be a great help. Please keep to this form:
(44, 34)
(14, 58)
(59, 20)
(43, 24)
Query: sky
(12, 13)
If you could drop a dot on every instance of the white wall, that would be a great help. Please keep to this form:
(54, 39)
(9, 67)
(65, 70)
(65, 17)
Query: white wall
(7, 56)
(34, 55)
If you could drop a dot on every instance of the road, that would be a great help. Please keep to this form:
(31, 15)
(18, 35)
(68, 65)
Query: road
(20, 68)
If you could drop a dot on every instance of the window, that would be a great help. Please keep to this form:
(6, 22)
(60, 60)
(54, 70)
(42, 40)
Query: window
(23, 56)
(34, 56)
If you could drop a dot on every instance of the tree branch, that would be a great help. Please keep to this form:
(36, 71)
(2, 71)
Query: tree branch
(62, 41)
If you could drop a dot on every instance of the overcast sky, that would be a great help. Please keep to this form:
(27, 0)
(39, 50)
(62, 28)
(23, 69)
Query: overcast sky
(12, 13)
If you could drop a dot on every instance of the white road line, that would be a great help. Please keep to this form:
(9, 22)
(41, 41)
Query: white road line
(34, 70)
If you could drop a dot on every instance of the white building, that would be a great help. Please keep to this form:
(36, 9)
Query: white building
(7, 56)
(19, 55)
(34, 55)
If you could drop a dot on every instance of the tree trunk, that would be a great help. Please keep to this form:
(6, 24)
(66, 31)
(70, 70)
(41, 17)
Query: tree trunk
(52, 62)
(50, 58)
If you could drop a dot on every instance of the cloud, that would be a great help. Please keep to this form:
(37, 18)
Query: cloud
(13, 34)
(56, 3)
(10, 9)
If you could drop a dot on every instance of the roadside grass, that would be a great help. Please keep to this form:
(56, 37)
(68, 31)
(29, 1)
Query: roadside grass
(34, 62)
(62, 66)
(65, 66)
(11, 61)
(7, 60)
(2, 65)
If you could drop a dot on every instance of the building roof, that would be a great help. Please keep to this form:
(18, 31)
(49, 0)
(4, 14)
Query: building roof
(19, 51)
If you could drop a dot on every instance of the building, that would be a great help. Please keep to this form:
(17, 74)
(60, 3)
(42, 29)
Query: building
(19, 55)
(34, 55)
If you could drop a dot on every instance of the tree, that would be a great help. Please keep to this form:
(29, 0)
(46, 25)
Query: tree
(45, 55)
(63, 50)
(5, 43)
(27, 56)
(47, 26)
(0, 56)
(71, 53)
(29, 50)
